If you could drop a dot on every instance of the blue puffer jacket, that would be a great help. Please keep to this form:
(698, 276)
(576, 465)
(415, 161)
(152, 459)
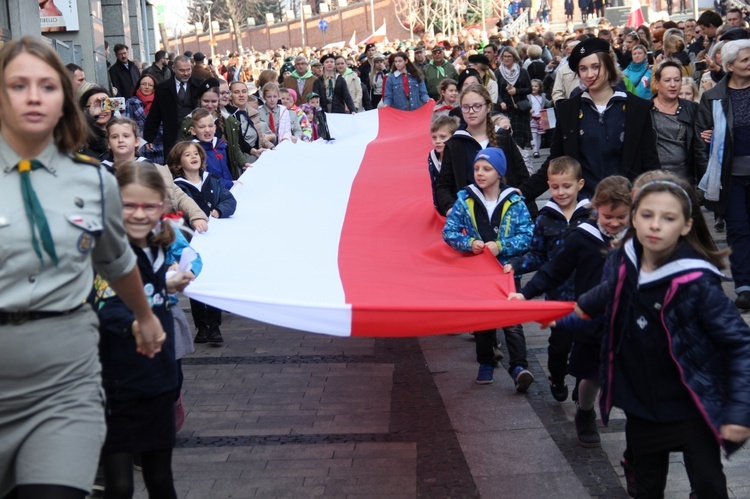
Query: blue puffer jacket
(395, 95)
(513, 231)
(708, 340)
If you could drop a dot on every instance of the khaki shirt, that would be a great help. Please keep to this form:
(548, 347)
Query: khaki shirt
(84, 211)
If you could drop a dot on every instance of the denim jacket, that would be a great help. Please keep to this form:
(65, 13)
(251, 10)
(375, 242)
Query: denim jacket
(395, 96)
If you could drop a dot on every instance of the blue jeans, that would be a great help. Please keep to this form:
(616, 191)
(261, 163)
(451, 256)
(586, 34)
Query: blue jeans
(737, 218)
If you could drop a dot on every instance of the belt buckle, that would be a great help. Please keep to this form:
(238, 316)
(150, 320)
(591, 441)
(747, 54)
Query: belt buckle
(17, 318)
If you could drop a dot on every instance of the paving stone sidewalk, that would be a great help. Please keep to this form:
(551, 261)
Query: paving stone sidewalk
(280, 413)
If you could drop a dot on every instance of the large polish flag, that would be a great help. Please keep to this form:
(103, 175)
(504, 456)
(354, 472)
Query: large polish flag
(342, 238)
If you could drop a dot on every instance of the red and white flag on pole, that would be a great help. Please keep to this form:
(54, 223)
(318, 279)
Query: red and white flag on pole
(342, 238)
(635, 18)
(379, 36)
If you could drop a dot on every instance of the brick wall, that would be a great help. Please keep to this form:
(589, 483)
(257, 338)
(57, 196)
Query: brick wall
(341, 24)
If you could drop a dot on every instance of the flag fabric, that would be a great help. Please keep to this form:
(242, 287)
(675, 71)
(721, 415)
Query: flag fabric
(353, 41)
(378, 36)
(342, 238)
(635, 18)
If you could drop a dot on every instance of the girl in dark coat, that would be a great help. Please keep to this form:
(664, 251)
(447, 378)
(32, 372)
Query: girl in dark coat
(681, 374)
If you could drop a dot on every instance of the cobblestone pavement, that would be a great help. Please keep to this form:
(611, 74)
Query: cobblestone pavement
(280, 413)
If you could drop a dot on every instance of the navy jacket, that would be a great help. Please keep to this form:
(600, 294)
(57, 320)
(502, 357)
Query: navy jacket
(126, 374)
(550, 229)
(124, 79)
(211, 196)
(708, 341)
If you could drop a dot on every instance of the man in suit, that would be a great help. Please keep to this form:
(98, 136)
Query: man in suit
(173, 100)
(123, 73)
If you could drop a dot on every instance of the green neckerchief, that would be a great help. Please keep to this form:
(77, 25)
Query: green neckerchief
(309, 74)
(440, 70)
(35, 212)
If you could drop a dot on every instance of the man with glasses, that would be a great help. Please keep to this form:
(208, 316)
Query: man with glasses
(159, 69)
(173, 100)
(301, 80)
(123, 73)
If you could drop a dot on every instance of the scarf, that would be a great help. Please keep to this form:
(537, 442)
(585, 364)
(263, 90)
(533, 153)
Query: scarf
(305, 76)
(146, 99)
(510, 75)
(636, 68)
(710, 184)
(439, 70)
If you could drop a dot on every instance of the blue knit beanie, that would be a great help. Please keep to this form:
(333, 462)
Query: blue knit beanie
(496, 157)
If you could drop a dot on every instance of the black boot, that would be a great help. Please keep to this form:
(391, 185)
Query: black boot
(588, 436)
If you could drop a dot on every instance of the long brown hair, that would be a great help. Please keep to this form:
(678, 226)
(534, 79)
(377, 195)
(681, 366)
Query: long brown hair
(70, 131)
(147, 175)
(479, 89)
(699, 238)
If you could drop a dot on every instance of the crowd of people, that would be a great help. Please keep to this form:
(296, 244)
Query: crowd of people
(646, 120)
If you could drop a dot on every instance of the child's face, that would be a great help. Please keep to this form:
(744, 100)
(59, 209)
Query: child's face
(204, 129)
(190, 161)
(286, 100)
(686, 92)
(659, 223)
(314, 102)
(439, 137)
(399, 63)
(564, 188)
(210, 101)
(142, 208)
(535, 88)
(485, 174)
(122, 141)
(253, 104)
(310, 115)
(272, 98)
(450, 94)
(613, 219)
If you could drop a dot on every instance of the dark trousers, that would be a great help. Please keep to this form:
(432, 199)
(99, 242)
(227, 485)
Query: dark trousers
(205, 316)
(514, 340)
(737, 218)
(558, 350)
(651, 442)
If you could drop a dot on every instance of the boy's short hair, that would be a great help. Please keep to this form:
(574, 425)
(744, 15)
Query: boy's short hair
(563, 165)
(271, 85)
(444, 121)
(283, 90)
(613, 191)
(252, 98)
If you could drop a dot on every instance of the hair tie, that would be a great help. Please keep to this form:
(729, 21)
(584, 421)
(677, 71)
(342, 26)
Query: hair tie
(671, 184)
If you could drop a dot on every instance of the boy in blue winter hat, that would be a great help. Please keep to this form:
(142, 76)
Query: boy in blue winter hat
(489, 215)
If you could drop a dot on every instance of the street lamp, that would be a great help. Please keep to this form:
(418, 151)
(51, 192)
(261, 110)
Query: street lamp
(210, 29)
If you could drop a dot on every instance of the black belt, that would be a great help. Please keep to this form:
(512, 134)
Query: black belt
(18, 318)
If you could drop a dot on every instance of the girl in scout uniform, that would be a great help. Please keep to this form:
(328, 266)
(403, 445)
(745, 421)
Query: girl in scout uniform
(60, 218)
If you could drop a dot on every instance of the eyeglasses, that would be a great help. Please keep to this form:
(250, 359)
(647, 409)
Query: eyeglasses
(148, 208)
(466, 108)
(225, 93)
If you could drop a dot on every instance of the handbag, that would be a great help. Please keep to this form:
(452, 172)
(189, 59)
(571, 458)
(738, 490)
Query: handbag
(523, 106)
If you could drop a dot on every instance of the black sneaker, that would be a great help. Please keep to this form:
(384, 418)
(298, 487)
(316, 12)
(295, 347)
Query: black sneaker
(214, 335)
(588, 435)
(201, 336)
(743, 300)
(559, 390)
(719, 224)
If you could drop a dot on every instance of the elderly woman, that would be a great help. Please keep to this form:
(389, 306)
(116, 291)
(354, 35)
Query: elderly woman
(514, 84)
(725, 109)
(611, 142)
(673, 119)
